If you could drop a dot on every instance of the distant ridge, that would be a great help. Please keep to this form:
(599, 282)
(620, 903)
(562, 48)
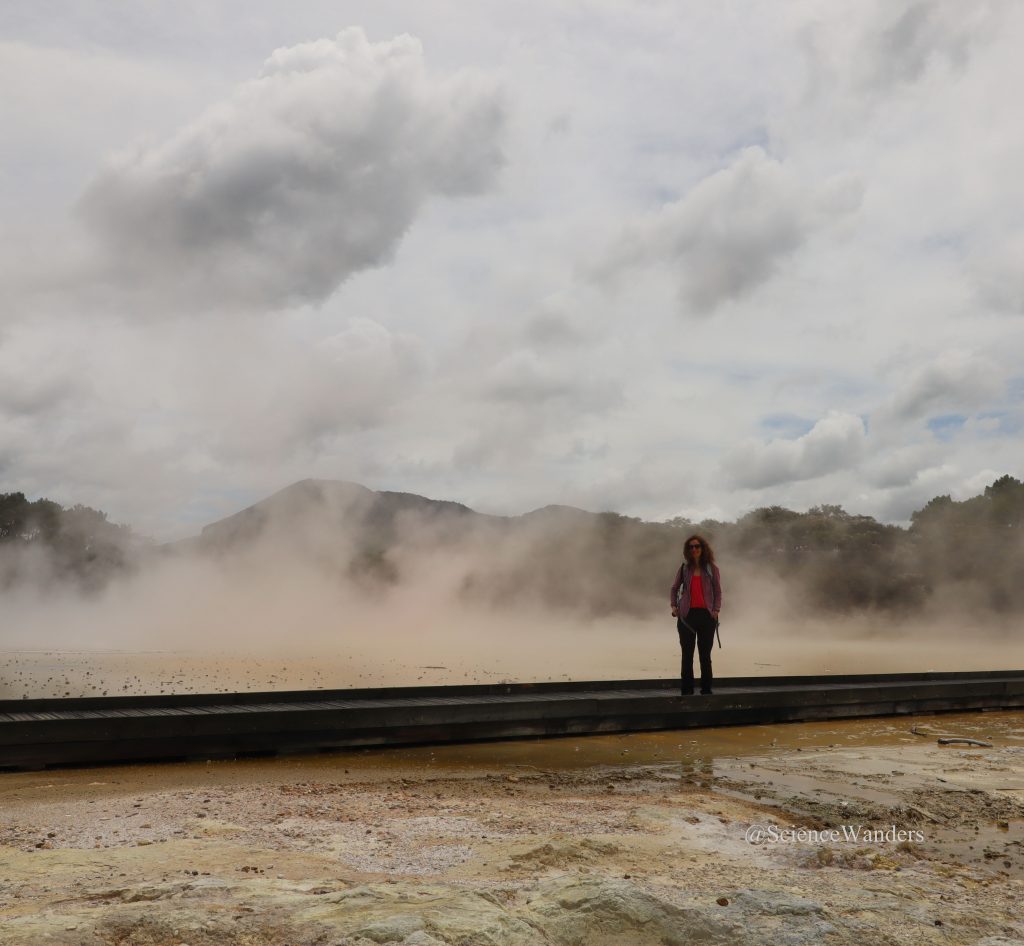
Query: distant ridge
(558, 556)
(346, 504)
(333, 504)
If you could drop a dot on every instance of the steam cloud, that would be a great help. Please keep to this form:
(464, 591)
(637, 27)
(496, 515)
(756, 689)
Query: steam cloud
(334, 585)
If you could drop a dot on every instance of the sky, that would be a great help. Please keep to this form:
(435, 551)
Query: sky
(662, 258)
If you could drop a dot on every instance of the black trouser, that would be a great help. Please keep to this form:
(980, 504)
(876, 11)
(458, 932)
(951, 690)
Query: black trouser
(703, 635)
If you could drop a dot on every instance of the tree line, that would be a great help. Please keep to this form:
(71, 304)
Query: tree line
(964, 554)
(42, 541)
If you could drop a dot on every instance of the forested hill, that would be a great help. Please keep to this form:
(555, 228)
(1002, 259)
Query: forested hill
(43, 542)
(968, 554)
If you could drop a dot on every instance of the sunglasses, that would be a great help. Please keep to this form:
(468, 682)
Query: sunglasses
(695, 545)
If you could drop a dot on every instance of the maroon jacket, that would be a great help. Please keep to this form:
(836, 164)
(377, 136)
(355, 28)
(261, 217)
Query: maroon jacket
(710, 578)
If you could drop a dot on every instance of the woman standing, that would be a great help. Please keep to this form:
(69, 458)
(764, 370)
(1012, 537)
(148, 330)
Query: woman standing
(696, 599)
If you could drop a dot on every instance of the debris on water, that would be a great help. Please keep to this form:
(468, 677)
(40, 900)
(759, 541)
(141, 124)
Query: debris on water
(963, 741)
(933, 734)
(925, 813)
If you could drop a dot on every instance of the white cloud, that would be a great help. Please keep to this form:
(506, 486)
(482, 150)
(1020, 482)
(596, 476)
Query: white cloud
(310, 172)
(71, 105)
(836, 442)
(734, 230)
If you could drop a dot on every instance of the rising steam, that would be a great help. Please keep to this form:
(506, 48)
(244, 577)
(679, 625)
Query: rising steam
(334, 585)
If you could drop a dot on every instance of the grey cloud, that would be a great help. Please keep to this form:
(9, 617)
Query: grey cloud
(997, 273)
(896, 505)
(900, 48)
(955, 380)
(303, 176)
(734, 230)
(502, 442)
(836, 442)
(28, 396)
(523, 406)
(523, 377)
(374, 368)
(291, 399)
(901, 466)
(552, 330)
(875, 48)
(565, 319)
(37, 374)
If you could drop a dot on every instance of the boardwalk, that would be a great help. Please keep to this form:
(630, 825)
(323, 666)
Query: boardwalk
(38, 733)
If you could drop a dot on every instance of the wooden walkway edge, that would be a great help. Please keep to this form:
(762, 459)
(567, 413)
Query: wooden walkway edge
(40, 733)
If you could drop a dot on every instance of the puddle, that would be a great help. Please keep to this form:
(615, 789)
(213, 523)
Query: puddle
(711, 746)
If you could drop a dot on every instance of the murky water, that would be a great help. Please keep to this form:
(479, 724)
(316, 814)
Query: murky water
(712, 746)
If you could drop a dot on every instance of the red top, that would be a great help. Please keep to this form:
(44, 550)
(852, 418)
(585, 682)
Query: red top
(679, 596)
(697, 591)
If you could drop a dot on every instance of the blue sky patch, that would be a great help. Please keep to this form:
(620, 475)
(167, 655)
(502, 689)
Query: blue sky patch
(1007, 422)
(215, 504)
(789, 426)
(945, 241)
(946, 425)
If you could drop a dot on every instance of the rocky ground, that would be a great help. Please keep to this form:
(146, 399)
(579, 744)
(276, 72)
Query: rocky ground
(366, 849)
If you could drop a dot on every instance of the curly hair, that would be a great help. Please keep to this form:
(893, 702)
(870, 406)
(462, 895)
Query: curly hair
(707, 554)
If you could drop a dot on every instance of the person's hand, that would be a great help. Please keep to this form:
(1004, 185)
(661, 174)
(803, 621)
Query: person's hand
(675, 612)
(714, 614)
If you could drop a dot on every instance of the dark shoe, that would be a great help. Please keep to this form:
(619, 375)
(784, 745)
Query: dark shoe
(706, 692)
(686, 692)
